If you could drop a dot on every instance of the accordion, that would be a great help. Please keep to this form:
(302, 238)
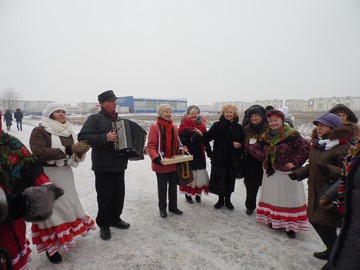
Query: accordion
(130, 139)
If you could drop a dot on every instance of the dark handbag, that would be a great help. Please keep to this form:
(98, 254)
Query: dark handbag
(184, 173)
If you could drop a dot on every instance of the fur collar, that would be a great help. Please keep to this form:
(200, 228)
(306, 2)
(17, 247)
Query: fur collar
(349, 130)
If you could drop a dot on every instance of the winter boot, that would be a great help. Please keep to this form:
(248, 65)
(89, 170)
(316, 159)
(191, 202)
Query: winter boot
(228, 203)
(219, 203)
(55, 258)
(291, 234)
(188, 199)
(198, 198)
(324, 255)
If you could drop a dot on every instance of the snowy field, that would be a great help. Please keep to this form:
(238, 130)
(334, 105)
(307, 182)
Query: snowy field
(202, 238)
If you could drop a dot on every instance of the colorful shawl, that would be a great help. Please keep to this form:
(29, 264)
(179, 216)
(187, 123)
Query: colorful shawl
(283, 133)
(353, 153)
(15, 159)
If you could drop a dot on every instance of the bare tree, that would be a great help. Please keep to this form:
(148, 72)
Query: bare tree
(9, 98)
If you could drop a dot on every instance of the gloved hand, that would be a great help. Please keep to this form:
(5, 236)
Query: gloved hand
(293, 176)
(323, 170)
(80, 148)
(326, 202)
(3, 206)
(157, 161)
(39, 201)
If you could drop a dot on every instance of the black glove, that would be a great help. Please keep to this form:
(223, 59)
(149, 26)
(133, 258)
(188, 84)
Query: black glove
(293, 176)
(323, 170)
(157, 161)
(39, 201)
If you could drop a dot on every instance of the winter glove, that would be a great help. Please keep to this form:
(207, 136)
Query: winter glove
(323, 170)
(3, 206)
(39, 201)
(326, 202)
(80, 148)
(293, 176)
(157, 161)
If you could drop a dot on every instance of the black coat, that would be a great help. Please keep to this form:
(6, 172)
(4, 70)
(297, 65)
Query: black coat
(197, 148)
(18, 115)
(226, 158)
(346, 251)
(94, 131)
(8, 119)
(253, 170)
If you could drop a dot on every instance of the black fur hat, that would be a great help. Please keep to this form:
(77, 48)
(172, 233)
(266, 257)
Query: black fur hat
(351, 117)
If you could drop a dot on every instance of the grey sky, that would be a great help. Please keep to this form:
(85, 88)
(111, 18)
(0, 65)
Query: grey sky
(202, 50)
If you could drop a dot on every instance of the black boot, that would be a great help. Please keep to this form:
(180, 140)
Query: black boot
(228, 203)
(55, 258)
(188, 199)
(291, 234)
(198, 198)
(219, 203)
(163, 213)
(323, 255)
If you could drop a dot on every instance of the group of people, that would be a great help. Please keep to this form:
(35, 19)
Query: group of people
(8, 119)
(272, 154)
(266, 149)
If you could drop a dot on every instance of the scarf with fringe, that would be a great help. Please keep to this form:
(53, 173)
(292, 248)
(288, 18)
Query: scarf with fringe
(348, 163)
(57, 129)
(273, 138)
(169, 138)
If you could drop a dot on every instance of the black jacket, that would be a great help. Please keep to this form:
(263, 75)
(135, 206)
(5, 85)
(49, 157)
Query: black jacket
(94, 131)
(226, 158)
(346, 251)
(253, 171)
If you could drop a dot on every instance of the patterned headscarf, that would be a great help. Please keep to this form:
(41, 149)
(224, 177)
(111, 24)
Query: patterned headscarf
(14, 161)
(283, 133)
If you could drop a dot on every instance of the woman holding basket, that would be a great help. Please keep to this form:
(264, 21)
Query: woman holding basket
(163, 142)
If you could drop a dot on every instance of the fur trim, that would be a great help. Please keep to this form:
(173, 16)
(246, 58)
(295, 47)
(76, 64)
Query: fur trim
(3, 205)
(349, 130)
(40, 201)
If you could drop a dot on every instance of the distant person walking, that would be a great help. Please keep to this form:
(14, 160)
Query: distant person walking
(18, 115)
(8, 119)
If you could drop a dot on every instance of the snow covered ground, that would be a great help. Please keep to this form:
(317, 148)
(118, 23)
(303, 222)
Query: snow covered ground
(202, 238)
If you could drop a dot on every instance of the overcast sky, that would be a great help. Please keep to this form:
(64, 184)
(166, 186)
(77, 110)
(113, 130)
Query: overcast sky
(202, 50)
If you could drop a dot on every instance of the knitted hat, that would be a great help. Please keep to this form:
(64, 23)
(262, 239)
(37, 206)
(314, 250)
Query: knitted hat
(330, 120)
(351, 117)
(52, 107)
(275, 113)
(191, 107)
(104, 96)
(162, 108)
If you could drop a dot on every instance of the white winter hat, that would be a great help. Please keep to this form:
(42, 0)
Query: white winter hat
(52, 107)
(162, 108)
